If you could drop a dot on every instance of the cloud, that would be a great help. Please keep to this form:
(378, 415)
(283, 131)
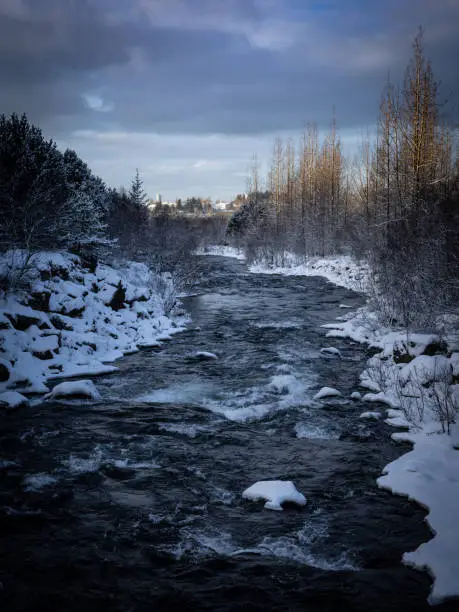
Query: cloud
(96, 103)
(187, 69)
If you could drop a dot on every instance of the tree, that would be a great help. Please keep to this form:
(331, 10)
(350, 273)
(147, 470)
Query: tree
(136, 192)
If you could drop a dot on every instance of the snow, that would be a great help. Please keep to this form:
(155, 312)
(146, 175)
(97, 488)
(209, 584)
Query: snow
(12, 400)
(327, 392)
(79, 333)
(275, 492)
(426, 369)
(74, 388)
(356, 396)
(370, 415)
(343, 271)
(222, 251)
(429, 474)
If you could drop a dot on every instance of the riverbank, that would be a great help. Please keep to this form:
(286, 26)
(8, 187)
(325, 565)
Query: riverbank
(65, 320)
(414, 379)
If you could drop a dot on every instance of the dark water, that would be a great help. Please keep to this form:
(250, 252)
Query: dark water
(134, 502)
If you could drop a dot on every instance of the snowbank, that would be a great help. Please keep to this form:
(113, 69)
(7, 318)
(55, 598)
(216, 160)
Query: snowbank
(414, 376)
(222, 251)
(343, 270)
(72, 322)
(276, 492)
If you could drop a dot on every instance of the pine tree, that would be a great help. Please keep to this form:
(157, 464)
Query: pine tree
(136, 193)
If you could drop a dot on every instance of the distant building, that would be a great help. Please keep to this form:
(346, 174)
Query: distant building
(220, 205)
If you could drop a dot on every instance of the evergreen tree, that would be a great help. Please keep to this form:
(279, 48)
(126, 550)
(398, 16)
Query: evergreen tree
(137, 193)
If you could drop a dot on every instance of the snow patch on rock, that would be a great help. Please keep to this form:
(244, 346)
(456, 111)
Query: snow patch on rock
(327, 392)
(12, 400)
(275, 492)
(74, 388)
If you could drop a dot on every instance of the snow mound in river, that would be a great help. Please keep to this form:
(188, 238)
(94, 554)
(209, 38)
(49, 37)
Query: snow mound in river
(275, 492)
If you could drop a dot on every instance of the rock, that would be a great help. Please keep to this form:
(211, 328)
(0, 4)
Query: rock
(43, 355)
(5, 370)
(60, 323)
(119, 297)
(40, 300)
(22, 322)
(438, 347)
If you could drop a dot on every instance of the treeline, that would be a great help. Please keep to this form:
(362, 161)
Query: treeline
(52, 200)
(396, 204)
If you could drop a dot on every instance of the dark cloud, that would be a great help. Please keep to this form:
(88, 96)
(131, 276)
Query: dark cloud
(212, 66)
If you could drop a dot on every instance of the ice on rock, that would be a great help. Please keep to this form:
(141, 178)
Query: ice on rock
(12, 399)
(327, 392)
(275, 492)
(75, 388)
(332, 351)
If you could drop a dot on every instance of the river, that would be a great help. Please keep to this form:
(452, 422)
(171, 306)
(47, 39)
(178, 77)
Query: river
(134, 502)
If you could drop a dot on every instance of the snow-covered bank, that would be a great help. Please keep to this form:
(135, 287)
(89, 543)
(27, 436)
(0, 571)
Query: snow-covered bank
(343, 271)
(67, 321)
(416, 376)
(222, 251)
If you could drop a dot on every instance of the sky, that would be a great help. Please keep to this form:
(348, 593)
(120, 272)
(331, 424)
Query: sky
(189, 90)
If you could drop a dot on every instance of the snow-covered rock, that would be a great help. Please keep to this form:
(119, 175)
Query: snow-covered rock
(332, 351)
(205, 355)
(327, 392)
(370, 415)
(64, 325)
(275, 492)
(426, 369)
(384, 398)
(74, 388)
(12, 400)
(356, 396)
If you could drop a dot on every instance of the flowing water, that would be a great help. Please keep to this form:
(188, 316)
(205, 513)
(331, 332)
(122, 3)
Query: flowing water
(134, 502)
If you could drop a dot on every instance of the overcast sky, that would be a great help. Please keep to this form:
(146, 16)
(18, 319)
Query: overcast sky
(189, 90)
